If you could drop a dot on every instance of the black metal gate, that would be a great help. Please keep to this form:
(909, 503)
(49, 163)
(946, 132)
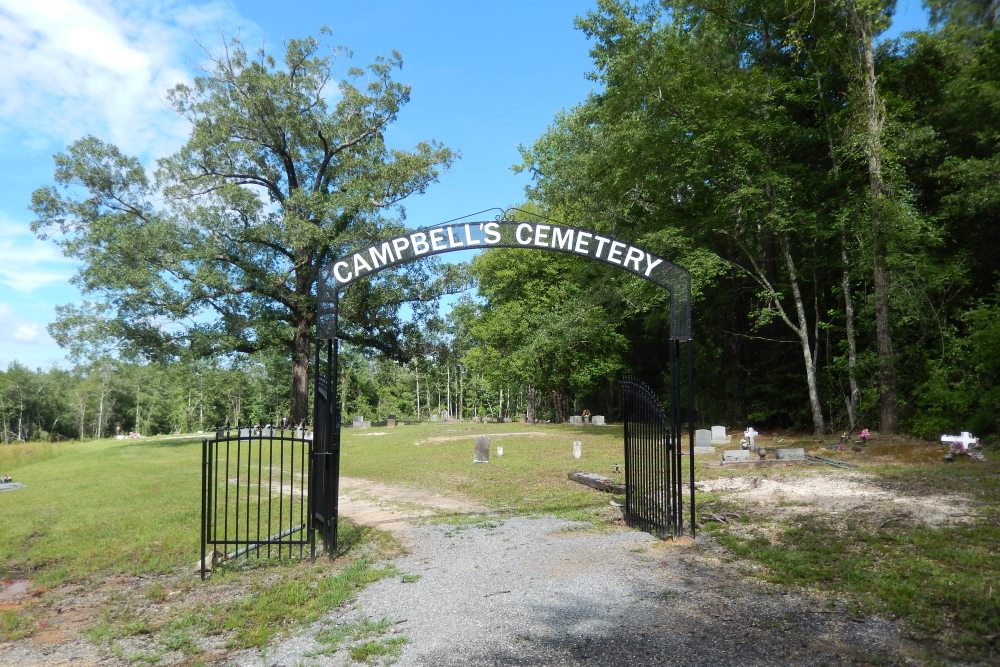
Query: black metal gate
(652, 462)
(254, 486)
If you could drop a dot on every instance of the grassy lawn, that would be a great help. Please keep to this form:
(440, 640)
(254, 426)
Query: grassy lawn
(120, 519)
(530, 478)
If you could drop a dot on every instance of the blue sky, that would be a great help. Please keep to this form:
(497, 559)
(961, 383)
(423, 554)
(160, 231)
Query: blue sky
(486, 77)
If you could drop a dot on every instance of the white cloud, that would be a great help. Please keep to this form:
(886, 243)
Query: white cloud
(76, 67)
(27, 263)
(25, 341)
(27, 333)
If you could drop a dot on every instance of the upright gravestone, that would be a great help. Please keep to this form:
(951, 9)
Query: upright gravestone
(597, 420)
(703, 442)
(719, 436)
(390, 421)
(359, 422)
(577, 449)
(482, 454)
(576, 420)
(445, 416)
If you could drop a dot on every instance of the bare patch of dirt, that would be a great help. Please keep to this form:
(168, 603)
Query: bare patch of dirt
(839, 493)
(390, 507)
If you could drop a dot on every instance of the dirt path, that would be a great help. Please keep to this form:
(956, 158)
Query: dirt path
(391, 508)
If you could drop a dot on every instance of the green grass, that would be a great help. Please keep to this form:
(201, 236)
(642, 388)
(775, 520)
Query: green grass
(370, 646)
(530, 478)
(945, 581)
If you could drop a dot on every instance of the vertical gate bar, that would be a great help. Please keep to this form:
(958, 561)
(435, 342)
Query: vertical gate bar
(628, 468)
(260, 483)
(302, 490)
(204, 486)
(680, 444)
(247, 496)
(225, 504)
(215, 491)
(281, 489)
(690, 417)
(270, 487)
(291, 492)
(332, 485)
(315, 484)
(674, 409)
(236, 517)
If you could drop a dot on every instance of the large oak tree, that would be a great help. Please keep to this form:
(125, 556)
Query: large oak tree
(220, 250)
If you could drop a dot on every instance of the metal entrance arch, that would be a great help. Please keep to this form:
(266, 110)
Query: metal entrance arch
(505, 233)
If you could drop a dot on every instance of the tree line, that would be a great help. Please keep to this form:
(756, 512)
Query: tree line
(833, 194)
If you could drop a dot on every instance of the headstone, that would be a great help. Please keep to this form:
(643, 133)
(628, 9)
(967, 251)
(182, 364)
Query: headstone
(964, 441)
(445, 416)
(751, 436)
(595, 481)
(390, 421)
(792, 454)
(359, 422)
(702, 438)
(499, 450)
(719, 436)
(732, 455)
(482, 454)
(577, 449)
(434, 416)
(576, 420)
(597, 420)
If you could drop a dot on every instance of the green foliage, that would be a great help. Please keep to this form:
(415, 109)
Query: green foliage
(274, 180)
(962, 390)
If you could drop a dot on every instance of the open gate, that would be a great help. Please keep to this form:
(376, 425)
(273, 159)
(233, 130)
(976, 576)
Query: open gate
(653, 479)
(254, 489)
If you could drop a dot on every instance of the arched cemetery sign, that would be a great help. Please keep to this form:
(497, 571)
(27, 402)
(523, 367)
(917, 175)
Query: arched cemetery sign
(653, 435)
(653, 444)
(343, 271)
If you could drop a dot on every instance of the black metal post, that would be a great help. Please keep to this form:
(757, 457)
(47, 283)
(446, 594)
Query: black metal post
(690, 418)
(333, 362)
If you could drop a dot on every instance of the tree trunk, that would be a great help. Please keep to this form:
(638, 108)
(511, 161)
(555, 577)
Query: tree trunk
(874, 115)
(300, 373)
(802, 330)
(854, 398)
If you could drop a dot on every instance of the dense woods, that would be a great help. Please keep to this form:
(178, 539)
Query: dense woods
(835, 196)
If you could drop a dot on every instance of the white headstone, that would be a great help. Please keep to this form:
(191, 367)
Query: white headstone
(597, 420)
(577, 449)
(499, 450)
(703, 438)
(576, 419)
(964, 441)
(751, 435)
(736, 455)
(719, 436)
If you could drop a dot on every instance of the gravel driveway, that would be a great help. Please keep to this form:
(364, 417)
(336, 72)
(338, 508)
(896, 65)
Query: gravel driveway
(542, 591)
